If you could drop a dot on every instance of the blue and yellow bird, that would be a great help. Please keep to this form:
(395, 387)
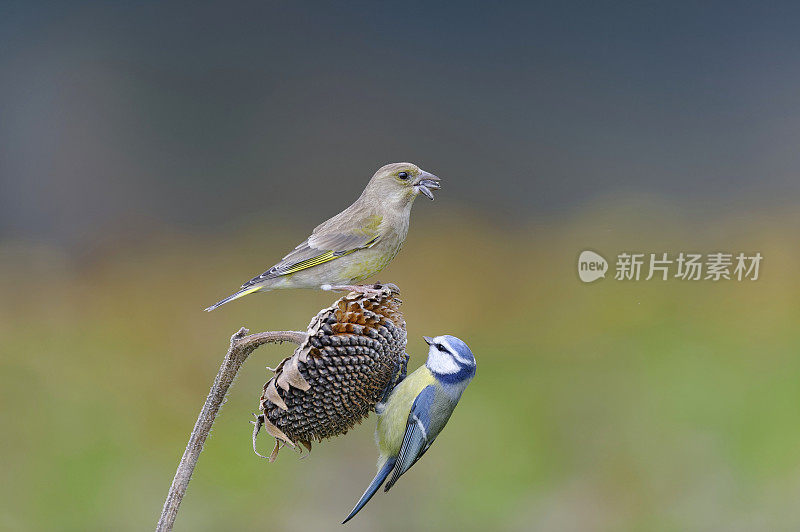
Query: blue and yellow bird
(417, 410)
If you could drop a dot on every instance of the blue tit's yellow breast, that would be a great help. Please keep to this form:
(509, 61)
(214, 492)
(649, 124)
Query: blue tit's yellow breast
(392, 422)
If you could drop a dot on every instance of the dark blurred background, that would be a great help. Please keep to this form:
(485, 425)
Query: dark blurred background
(155, 155)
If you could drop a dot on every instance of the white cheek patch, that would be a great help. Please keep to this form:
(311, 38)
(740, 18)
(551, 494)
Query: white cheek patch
(442, 363)
(462, 360)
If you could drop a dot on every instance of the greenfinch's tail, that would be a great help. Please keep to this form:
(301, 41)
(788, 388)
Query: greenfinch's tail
(241, 293)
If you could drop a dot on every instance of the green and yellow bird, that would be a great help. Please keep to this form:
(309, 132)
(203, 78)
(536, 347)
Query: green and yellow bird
(355, 244)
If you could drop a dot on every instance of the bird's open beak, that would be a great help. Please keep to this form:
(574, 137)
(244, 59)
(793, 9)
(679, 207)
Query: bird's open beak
(427, 182)
(428, 340)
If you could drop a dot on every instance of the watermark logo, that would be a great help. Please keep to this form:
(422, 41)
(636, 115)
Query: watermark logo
(629, 266)
(591, 266)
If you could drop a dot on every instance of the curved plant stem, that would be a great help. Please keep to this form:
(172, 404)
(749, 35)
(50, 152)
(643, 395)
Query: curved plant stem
(240, 348)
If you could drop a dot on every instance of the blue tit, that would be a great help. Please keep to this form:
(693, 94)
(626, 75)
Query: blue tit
(417, 411)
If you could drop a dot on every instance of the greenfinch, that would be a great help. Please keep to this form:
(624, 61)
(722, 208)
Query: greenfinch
(355, 244)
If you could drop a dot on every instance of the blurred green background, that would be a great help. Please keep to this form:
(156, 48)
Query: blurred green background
(611, 406)
(157, 155)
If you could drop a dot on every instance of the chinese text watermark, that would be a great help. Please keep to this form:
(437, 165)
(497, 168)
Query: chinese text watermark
(717, 266)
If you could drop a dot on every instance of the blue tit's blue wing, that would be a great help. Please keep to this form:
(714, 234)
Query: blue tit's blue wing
(415, 440)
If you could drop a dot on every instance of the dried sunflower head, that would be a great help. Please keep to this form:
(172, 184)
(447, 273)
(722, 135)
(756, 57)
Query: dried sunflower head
(353, 356)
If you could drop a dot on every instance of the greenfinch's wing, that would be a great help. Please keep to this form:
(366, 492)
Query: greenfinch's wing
(320, 247)
(339, 242)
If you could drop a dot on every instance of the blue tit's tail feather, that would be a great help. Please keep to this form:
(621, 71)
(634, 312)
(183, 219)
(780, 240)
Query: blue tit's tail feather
(373, 487)
(237, 295)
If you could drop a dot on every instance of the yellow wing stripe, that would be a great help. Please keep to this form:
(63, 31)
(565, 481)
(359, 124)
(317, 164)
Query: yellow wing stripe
(243, 293)
(315, 261)
(323, 258)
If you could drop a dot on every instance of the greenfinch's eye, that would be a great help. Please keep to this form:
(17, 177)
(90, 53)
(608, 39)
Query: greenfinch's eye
(403, 175)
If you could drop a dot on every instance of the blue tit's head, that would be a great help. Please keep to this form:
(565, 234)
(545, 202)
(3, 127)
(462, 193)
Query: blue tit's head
(450, 359)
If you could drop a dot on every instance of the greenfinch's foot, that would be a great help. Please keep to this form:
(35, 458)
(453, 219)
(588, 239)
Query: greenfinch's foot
(365, 289)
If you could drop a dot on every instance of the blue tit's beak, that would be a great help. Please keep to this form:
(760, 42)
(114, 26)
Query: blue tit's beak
(428, 340)
(426, 182)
